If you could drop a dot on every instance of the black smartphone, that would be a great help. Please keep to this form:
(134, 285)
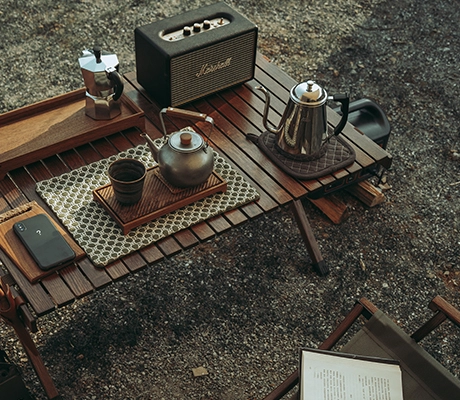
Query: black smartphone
(43, 241)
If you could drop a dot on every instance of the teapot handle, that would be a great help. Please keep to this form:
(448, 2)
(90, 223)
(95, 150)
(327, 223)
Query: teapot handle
(185, 114)
(344, 101)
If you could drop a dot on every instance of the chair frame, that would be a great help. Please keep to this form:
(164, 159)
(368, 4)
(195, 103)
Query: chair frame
(364, 308)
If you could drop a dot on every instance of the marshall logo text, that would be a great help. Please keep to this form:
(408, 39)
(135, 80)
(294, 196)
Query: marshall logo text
(208, 68)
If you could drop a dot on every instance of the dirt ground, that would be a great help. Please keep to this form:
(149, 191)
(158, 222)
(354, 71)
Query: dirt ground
(243, 303)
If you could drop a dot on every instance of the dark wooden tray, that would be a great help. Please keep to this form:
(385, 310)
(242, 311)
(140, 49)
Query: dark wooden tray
(157, 199)
(52, 126)
(14, 248)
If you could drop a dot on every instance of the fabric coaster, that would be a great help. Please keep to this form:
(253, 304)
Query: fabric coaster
(70, 197)
(335, 155)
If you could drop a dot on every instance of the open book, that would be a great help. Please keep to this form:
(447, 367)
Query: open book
(327, 375)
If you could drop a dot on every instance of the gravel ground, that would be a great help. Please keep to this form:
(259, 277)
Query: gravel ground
(242, 304)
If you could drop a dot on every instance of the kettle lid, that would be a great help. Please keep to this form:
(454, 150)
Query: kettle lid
(186, 141)
(309, 93)
(97, 60)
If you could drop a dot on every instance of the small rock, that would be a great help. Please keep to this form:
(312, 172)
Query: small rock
(200, 371)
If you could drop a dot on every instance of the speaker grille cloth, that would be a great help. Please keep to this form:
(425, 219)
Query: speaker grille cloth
(187, 86)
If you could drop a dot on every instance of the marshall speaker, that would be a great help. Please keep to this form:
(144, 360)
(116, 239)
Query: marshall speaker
(191, 55)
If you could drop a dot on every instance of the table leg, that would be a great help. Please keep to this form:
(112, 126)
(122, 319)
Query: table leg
(9, 313)
(307, 234)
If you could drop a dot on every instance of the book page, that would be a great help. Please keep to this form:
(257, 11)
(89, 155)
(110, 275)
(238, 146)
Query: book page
(332, 377)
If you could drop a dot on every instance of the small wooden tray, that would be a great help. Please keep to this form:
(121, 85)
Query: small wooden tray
(157, 199)
(14, 248)
(52, 126)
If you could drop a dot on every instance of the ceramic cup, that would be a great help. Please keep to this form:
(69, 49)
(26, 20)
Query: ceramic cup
(127, 177)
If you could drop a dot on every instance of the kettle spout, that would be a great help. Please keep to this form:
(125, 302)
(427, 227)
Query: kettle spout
(153, 148)
(266, 108)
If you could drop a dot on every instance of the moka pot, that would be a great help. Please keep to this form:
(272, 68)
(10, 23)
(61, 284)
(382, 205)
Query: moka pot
(104, 84)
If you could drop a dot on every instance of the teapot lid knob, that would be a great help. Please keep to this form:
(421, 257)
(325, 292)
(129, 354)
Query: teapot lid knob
(185, 139)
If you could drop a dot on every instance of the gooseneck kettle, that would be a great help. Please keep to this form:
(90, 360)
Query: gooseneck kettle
(104, 85)
(303, 129)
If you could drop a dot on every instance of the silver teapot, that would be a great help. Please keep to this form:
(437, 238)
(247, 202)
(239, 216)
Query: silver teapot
(104, 85)
(184, 158)
(303, 126)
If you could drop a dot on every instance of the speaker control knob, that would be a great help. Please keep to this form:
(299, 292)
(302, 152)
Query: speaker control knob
(206, 24)
(196, 27)
(187, 31)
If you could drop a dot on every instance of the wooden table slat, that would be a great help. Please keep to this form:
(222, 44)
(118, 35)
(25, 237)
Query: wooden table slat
(219, 224)
(203, 231)
(277, 74)
(71, 159)
(97, 276)
(117, 270)
(120, 142)
(104, 148)
(186, 238)
(252, 210)
(236, 217)
(84, 155)
(134, 135)
(152, 254)
(4, 206)
(11, 194)
(134, 262)
(76, 281)
(34, 293)
(61, 294)
(169, 246)
(56, 166)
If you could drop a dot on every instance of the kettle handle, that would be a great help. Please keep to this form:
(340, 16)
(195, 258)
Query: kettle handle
(185, 114)
(344, 101)
(114, 76)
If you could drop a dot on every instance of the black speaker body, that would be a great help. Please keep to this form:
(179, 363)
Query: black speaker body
(183, 58)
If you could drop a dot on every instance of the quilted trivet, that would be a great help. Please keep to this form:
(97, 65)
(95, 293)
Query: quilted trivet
(335, 155)
(70, 197)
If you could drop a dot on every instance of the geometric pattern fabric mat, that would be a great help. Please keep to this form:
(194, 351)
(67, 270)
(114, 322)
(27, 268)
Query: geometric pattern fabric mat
(335, 154)
(70, 197)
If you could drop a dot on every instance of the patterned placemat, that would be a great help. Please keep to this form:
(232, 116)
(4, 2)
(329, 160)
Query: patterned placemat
(70, 197)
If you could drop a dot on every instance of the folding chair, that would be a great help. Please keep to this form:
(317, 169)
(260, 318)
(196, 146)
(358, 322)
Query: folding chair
(423, 377)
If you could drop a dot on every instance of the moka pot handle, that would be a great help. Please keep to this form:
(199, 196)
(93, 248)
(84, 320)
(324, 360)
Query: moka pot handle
(118, 86)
